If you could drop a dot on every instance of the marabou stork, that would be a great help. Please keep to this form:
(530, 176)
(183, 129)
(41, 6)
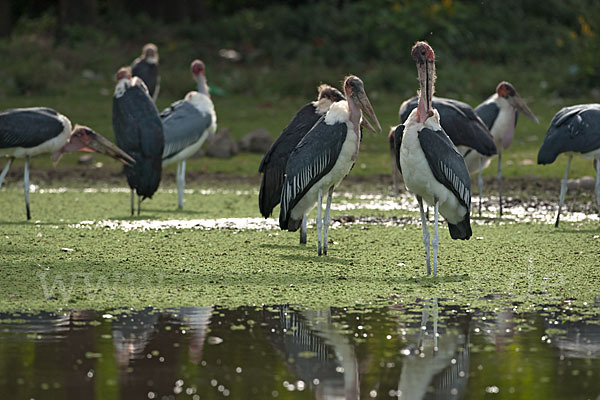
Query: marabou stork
(27, 132)
(323, 158)
(139, 132)
(499, 112)
(430, 164)
(146, 68)
(574, 129)
(187, 124)
(466, 130)
(275, 160)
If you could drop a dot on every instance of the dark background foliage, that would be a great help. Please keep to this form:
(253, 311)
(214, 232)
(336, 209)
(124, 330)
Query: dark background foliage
(283, 46)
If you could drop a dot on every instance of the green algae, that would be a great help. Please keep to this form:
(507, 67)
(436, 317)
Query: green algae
(522, 263)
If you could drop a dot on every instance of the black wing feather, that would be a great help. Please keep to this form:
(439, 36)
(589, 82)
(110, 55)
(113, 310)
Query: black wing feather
(28, 127)
(398, 133)
(488, 112)
(449, 168)
(147, 72)
(575, 128)
(183, 125)
(313, 158)
(139, 132)
(275, 160)
(460, 122)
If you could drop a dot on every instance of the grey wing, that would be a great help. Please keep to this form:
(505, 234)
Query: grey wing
(575, 128)
(488, 112)
(463, 126)
(446, 163)
(182, 127)
(407, 107)
(28, 127)
(398, 133)
(313, 158)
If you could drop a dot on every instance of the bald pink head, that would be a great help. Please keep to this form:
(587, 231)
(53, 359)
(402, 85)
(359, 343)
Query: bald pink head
(197, 68)
(422, 52)
(122, 73)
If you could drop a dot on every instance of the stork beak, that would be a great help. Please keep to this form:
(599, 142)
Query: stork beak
(100, 144)
(96, 144)
(367, 109)
(517, 102)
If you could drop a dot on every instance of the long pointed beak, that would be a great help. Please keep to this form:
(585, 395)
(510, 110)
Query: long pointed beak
(367, 109)
(517, 102)
(100, 144)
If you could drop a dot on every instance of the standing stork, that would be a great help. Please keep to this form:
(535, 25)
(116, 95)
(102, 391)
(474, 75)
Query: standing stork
(139, 132)
(187, 124)
(323, 158)
(430, 164)
(574, 129)
(27, 132)
(145, 67)
(466, 130)
(499, 112)
(275, 160)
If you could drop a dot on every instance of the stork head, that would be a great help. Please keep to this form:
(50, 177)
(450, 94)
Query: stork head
(199, 74)
(329, 92)
(150, 53)
(197, 68)
(508, 92)
(123, 73)
(357, 98)
(424, 57)
(86, 139)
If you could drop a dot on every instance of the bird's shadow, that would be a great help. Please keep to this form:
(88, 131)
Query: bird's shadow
(283, 246)
(430, 280)
(313, 258)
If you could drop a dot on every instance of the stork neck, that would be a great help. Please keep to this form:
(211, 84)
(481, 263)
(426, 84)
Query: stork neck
(202, 85)
(354, 114)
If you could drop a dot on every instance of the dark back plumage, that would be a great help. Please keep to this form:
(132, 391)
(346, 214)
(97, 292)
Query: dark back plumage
(398, 133)
(488, 112)
(575, 128)
(28, 127)
(460, 122)
(139, 132)
(183, 125)
(275, 160)
(148, 72)
(449, 168)
(313, 158)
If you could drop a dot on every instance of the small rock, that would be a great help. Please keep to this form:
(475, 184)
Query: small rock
(583, 183)
(66, 249)
(222, 146)
(258, 141)
(86, 159)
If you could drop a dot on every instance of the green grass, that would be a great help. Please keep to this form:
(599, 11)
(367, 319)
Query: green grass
(107, 268)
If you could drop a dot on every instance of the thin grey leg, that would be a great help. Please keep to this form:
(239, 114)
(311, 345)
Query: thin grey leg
(180, 182)
(597, 187)
(132, 203)
(480, 182)
(319, 220)
(303, 229)
(26, 186)
(563, 191)
(435, 324)
(436, 239)
(139, 204)
(5, 170)
(499, 178)
(395, 174)
(326, 220)
(425, 234)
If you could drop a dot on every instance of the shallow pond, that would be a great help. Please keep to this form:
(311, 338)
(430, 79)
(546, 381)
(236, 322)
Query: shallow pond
(424, 350)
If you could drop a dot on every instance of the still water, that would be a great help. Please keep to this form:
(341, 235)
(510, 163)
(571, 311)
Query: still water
(428, 349)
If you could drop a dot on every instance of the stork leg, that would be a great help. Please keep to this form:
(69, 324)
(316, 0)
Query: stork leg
(436, 239)
(139, 204)
(326, 220)
(499, 178)
(435, 324)
(180, 182)
(319, 220)
(132, 203)
(5, 170)
(597, 187)
(395, 174)
(303, 230)
(425, 234)
(480, 181)
(26, 185)
(563, 190)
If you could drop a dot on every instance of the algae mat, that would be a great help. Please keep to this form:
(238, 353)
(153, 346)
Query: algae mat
(65, 259)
